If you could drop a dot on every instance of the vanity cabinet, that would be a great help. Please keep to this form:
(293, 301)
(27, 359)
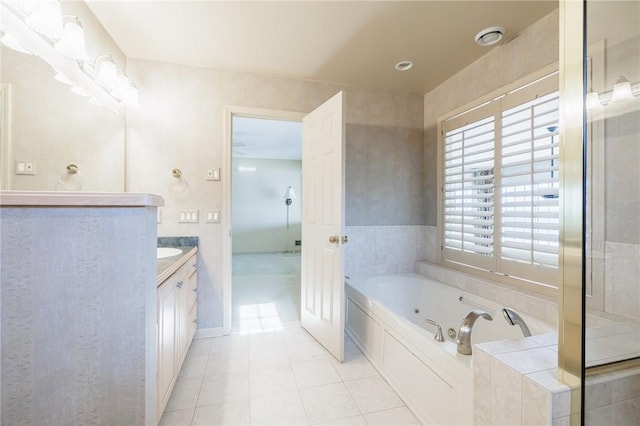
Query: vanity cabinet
(177, 303)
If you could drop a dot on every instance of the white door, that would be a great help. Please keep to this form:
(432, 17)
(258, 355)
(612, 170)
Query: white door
(322, 292)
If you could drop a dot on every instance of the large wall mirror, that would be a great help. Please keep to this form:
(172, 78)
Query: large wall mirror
(52, 138)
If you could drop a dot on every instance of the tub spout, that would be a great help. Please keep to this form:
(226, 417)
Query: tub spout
(513, 318)
(464, 335)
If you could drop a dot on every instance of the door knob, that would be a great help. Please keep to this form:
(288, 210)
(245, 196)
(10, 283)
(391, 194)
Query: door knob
(334, 239)
(345, 239)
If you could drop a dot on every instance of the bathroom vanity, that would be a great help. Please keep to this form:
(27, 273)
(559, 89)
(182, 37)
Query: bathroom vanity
(78, 308)
(177, 316)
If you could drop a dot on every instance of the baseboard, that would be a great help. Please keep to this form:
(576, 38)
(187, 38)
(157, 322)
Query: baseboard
(206, 333)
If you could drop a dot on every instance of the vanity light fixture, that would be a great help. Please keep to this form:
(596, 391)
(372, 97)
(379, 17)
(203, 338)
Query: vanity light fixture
(120, 89)
(44, 17)
(62, 78)
(592, 101)
(622, 91)
(72, 42)
(489, 36)
(39, 28)
(79, 90)
(11, 42)
(106, 70)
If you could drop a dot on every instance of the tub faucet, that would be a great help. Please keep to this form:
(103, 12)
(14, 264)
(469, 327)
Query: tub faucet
(513, 318)
(464, 335)
(438, 336)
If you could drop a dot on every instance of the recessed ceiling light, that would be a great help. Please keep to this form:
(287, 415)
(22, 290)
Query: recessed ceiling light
(404, 65)
(490, 36)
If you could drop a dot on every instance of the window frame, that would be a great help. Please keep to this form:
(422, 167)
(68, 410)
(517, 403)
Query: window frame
(479, 108)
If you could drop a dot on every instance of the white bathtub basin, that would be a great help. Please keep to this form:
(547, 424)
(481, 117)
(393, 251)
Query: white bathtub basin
(167, 252)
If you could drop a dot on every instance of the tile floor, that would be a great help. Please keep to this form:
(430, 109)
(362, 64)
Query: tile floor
(266, 291)
(280, 378)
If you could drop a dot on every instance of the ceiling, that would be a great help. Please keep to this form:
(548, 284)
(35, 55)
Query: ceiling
(350, 42)
(266, 139)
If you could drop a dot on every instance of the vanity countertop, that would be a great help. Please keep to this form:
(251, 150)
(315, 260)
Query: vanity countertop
(169, 265)
(78, 199)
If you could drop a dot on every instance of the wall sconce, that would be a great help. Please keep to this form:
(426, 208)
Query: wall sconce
(70, 179)
(38, 27)
(622, 91)
(178, 184)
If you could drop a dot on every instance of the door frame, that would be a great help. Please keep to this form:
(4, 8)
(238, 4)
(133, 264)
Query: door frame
(225, 176)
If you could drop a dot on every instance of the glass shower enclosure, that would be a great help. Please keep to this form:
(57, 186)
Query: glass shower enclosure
(599, 309)
(611, 81)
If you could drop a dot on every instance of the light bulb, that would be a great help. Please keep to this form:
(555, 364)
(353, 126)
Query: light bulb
(622, 90)
(593, 101)
(120, 87)
(131, 97)
(107, 72)
(72, 42)
(46, 18)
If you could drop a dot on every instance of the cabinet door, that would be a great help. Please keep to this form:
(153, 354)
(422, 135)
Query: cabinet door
(182, 316)
(193, 301)
(166, 342)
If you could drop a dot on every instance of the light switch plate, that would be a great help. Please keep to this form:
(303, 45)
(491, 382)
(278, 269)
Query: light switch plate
(188, 216)
(213, 174)
(25, 167)
(213, 216)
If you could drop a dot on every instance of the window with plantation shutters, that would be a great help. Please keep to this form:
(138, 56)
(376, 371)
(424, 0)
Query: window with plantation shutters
(500, 181)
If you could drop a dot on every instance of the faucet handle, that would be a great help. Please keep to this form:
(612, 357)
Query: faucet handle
(439, 337)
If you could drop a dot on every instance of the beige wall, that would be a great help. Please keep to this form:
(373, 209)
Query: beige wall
(54, 127)
(534, 48)
(181, 125)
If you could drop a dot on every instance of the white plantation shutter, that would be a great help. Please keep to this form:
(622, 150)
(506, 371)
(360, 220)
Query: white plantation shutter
(529, 184)
(469, 189)
(500, 204)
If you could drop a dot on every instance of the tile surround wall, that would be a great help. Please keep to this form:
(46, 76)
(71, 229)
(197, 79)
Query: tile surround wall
(622, 275)
(515, 383)
(383, 249)
(613, 397)
(539, 306)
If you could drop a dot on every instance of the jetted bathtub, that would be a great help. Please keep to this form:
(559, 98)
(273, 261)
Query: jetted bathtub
(386, 319)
